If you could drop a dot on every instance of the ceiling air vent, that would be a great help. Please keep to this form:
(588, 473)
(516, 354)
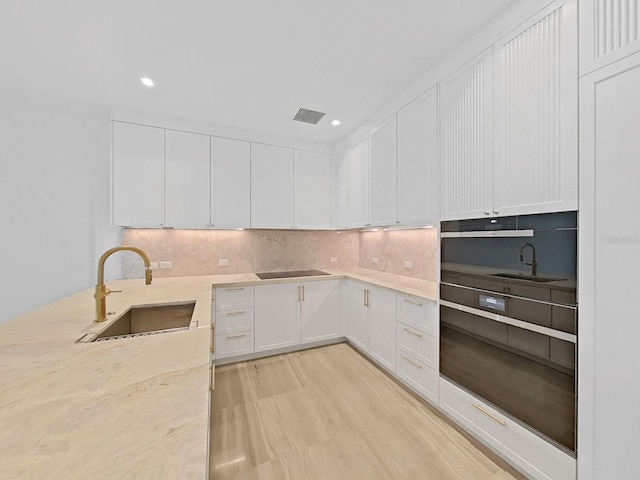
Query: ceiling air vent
(308, 116)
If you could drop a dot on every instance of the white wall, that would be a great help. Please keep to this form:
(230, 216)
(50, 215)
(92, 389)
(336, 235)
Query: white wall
(54, 205)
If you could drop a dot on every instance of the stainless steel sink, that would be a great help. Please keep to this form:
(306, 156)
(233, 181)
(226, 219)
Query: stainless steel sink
(531, 278)
(139, 321)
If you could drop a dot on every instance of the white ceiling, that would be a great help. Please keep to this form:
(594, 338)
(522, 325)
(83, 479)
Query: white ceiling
(243, 63)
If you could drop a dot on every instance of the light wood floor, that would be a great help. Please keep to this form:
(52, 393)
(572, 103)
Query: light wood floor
(329, 414)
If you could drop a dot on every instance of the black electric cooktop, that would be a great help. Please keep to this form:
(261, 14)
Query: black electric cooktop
(293, 274)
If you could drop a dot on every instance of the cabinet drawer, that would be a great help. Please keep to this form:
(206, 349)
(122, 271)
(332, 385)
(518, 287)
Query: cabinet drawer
(531, 454)
(417, 375)
(232, 344)
(417, 344)
(234, 298)
(419, 313)
(232, 321)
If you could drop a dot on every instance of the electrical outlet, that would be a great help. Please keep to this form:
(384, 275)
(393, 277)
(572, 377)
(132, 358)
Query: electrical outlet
(407, 264)
(333, 259)
(166, 264)
(154, 265)
(374, 260)
(223, 262)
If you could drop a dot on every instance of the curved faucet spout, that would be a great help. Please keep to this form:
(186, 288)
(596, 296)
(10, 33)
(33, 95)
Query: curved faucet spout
(102, 291)
(533, 263)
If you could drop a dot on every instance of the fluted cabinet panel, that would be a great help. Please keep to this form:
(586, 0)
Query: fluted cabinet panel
(138, 175)
(466, 140)
(535, 130)
(610, 30)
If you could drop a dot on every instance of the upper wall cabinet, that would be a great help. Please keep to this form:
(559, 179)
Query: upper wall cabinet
(312, 190)
(418, 161)
(230, 183)
(187, 180)
(382, 174)
(535, 142)
(351, 177)
(271, 186)
(138, 175)
(466, 140)
(609, 31)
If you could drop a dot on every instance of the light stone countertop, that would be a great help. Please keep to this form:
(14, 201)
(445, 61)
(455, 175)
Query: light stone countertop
(135, 408)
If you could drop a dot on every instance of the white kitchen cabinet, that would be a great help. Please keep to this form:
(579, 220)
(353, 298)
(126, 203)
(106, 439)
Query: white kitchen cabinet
(277, 316)
(340, 191)
(271, 186)
(535, 167)
(355, 316)
(466, 139)
(230, 183)
(418, 181)
(609, 31)
(609, 236)
(382, 174)
(537, 458)
(351, 174)
(138, 175)
(187, 180)
(381, 304)
(312, 190)
(319, 311)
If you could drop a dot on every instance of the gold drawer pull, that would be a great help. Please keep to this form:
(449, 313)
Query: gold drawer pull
(234, 288)
(413, 333)
(213, 338)
(412, 302)
(240, 312)
(415, 364)
(237, 336)
(490, 415)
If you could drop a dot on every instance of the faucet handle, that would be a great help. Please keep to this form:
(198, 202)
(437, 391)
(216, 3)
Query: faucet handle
(108, 291)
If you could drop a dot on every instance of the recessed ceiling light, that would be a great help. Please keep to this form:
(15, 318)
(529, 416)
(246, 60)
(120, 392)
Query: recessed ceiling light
(147, 82)
(335, 123)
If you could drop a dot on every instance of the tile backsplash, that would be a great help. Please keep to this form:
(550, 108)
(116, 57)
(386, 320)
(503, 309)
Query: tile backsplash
(198, 252)
(394, 247)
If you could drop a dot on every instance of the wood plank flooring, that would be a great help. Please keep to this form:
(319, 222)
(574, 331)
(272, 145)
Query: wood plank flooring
(329, 414)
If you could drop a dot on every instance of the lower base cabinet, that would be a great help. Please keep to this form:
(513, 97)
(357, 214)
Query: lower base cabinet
(233, 344)
(532, 455)
(418, 376)
(277, 320)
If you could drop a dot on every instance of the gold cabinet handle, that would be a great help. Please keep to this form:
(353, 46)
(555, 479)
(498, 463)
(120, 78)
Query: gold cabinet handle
(302, 287)
(364, 293)
(239, 312)
(415, 364)
(412, 302)
(213, 338)
(490, 415)
(412, 332)
(298, 292)
(234, 288)
(237, 336)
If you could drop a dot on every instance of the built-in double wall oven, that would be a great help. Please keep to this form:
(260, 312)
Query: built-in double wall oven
(508, 317)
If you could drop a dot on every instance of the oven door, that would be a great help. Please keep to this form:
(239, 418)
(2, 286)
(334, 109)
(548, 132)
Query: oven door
(526, 370)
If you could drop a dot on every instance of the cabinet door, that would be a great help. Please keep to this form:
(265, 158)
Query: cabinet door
(609, 238)
(466, 135)
(271, 186)
(609, 31)
(138, 175)
(357, 188)
(536, 115)
(319, 311)
(276, 316)
(382, 193)
(382, 326)
(187, 180)
(355, 315)
(418, 202)
(312, 190)
(230, 183)
(340, 194)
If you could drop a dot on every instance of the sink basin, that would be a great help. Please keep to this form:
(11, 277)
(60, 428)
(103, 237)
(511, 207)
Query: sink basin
(531, 278)
(139, 321)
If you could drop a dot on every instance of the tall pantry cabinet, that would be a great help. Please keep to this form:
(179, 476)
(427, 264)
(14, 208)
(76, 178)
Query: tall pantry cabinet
(609, 240)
